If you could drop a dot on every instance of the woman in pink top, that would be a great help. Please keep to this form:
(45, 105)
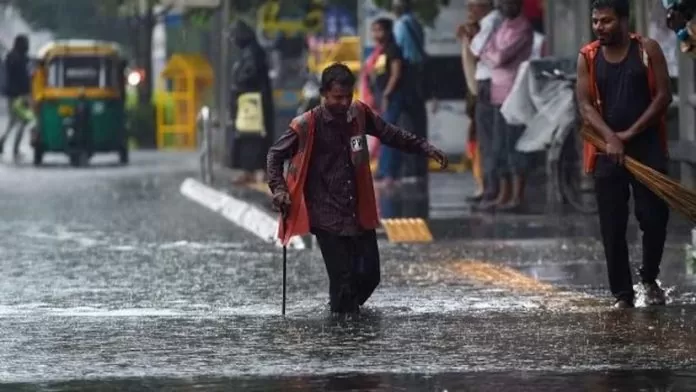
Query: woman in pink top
(508, 48)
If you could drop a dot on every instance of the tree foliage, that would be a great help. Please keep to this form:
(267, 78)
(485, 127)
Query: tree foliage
(70, 18)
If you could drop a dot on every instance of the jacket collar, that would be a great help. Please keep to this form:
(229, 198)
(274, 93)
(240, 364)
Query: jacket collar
(351, 115)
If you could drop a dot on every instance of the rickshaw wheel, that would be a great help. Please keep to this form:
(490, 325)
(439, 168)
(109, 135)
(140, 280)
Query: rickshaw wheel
(38, 156)
(79, 159)
(123, 155)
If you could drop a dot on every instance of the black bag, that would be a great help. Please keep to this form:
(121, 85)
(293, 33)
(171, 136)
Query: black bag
(419, 75)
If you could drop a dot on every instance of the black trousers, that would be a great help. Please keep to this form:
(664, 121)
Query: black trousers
(352, 263)
(613, 187)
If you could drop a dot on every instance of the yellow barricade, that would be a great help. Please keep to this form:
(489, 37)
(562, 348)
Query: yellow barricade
(407, 230)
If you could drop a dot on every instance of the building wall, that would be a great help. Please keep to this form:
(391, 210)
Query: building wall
(568, 25)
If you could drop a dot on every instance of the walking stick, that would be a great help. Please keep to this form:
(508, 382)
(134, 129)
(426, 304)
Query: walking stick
(285, 261)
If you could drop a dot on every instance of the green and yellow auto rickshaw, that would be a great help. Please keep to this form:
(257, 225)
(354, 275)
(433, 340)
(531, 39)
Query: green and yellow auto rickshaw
(79, 98)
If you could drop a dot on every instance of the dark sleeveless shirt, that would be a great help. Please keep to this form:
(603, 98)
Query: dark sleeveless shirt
(625, 94)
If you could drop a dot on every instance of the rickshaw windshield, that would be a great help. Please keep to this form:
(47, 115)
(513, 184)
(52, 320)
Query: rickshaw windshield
(88, 72)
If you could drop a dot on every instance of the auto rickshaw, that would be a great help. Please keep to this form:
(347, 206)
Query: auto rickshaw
(79, 98)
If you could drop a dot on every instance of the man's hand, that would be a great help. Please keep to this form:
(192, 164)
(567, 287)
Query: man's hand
(468, 30)
(438, 156)
(615, 150)
(471, 28)
(281, 202)
(626, 135)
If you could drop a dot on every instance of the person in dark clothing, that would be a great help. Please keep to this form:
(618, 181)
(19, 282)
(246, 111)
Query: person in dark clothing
(386, 87)
(623, 91)
(417, 84)
(18, 87)
(329, 191)
(250, 75)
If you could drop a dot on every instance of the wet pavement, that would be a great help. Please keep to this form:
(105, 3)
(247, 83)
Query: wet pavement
(114, 282)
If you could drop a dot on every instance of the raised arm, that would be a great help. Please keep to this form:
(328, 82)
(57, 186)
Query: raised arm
(401, 139)
(393, 136)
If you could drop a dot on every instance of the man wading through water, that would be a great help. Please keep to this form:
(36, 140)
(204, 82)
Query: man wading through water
(329, 190)
(623, 92)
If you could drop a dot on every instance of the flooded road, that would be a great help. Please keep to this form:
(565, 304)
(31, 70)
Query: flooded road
(113, 281)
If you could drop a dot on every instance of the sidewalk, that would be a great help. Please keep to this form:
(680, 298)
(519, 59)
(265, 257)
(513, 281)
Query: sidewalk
(451, 217)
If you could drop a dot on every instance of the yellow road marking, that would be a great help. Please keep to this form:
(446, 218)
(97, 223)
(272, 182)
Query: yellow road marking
(496, 275)
(501, 276)
(407, 230)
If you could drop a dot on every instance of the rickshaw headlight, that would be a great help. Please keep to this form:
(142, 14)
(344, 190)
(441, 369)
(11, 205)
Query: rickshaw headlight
(134, 78)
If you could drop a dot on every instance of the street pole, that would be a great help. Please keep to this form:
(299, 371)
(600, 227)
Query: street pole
(223, 80)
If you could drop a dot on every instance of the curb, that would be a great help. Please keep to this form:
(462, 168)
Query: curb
(237, 211)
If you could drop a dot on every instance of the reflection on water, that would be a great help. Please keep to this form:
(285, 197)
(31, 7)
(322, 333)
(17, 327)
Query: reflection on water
(385, 349)
(595, 381)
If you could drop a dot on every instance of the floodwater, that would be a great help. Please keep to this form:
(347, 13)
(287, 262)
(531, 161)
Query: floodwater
(115, 282)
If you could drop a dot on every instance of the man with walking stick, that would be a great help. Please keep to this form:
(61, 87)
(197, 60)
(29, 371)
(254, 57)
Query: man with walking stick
(623, 92)
(329, 189)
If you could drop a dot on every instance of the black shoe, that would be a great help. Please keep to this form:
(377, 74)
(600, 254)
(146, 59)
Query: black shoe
(486, 205)
(511, 207)
(654, 295)
(623, 304)
(474, 198)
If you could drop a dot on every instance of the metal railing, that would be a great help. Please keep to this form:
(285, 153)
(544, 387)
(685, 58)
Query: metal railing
(205, 149)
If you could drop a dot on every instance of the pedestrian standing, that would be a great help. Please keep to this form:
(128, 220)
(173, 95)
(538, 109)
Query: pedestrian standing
(623, 91)
(17, 90)
(465, 33)
(329, 189)
(510, 46)
(410, 37)
(386, 79)
(251, 84)
(488, 20)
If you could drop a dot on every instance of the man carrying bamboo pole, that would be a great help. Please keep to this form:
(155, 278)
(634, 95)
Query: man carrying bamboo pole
(623, 92)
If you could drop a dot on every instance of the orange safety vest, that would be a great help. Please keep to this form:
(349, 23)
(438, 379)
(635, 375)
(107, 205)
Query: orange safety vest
(590, 51)
(297, 221)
